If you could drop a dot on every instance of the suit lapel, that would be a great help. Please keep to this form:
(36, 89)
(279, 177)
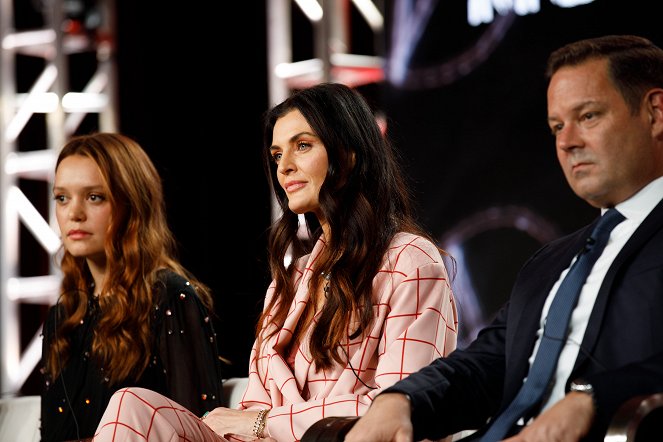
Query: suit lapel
(640, 237)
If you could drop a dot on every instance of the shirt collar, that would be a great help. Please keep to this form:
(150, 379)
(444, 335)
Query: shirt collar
(643, 202)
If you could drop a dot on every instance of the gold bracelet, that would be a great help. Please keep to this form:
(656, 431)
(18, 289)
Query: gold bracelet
(259, 424)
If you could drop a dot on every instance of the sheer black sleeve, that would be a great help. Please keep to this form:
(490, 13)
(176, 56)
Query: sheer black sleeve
(186, 344)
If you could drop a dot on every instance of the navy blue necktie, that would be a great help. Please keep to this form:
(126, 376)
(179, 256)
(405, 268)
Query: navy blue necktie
(555, 330)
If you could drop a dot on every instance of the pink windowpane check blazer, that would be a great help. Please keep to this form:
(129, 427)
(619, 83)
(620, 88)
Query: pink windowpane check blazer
(415, 323)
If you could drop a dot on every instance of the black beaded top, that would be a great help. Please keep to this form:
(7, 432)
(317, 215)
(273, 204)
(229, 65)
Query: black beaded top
(184, 364)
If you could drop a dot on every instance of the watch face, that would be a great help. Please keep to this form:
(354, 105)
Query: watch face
(581, 387)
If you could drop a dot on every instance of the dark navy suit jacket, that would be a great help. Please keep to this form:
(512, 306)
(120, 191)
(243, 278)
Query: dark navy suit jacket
(621, 353)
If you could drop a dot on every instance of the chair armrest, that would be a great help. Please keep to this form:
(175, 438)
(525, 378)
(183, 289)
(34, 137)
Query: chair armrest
(638, 419)
(233, 391)
(20, 418)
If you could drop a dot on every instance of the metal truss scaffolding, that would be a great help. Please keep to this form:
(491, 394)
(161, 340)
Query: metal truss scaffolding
(57, 78)
(333, 40)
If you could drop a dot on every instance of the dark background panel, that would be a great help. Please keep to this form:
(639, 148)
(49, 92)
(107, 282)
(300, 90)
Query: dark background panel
(192, 86)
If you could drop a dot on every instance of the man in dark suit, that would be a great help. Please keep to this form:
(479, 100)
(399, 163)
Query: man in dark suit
(605, 110)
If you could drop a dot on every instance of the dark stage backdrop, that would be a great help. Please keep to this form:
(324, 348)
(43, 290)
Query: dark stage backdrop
(469, 118)
(193, 86)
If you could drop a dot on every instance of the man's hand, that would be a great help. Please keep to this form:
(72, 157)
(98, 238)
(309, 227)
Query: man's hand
(387, 420)
(568, 420)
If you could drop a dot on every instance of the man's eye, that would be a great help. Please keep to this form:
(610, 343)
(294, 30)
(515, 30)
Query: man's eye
(555, 129)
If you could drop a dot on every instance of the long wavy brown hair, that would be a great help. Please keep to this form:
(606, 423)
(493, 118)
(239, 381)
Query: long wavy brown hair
(365, 200)
(139, 243)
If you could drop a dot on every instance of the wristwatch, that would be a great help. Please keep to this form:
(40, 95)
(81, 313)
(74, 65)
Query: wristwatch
(582, 386)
